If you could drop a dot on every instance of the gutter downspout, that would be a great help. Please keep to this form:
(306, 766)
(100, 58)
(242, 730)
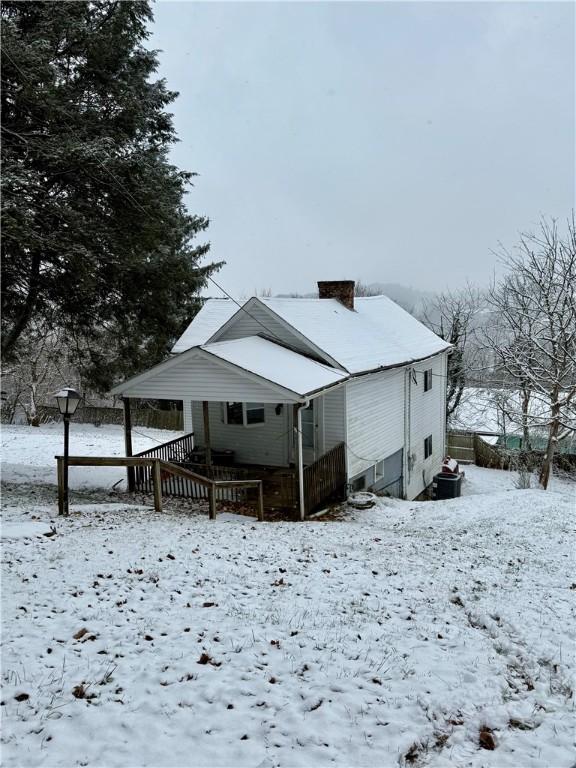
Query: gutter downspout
(299, 457)
(407, 407)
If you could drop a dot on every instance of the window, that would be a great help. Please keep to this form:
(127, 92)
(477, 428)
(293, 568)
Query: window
(246, 414)
(427, 446)
(254, 413)
(379, 470)
(234, 413)
(428, 380)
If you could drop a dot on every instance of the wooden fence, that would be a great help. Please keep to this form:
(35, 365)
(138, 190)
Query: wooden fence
(487, 455)
(141, 417)
(460, 446)
(325, 480)
(472, 448)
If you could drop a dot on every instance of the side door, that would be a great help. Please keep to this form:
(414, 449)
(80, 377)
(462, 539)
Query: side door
(313, 431)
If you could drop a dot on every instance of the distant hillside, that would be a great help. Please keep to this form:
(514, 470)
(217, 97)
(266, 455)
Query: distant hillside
(411, 299)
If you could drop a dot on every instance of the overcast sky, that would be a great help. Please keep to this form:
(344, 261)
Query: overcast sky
(388, 142)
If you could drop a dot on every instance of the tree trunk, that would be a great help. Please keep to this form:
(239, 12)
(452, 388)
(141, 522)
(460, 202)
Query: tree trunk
(525, 419)
(546, 470)
(10, 339)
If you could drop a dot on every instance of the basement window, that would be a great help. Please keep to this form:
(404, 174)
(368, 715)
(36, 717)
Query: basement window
(244, 414)
(428, 380)
(427, 446)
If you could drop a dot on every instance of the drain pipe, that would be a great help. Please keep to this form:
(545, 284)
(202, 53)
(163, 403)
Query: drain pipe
(299, 457)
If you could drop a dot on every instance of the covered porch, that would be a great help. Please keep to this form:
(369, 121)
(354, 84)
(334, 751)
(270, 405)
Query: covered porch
(323, 480)
(241, 425)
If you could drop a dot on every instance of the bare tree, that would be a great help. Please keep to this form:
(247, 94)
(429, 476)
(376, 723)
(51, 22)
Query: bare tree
(40, 368)
(533, 336)
(454, 316)
(363, 289)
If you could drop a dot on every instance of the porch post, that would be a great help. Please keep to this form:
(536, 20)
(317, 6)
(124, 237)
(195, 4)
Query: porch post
(128, 442)
(298, 459)
(206, 413)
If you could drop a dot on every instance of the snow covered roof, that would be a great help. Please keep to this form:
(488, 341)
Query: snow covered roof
(277, 364)
(214, 313)
(251, 368)
(376, 334)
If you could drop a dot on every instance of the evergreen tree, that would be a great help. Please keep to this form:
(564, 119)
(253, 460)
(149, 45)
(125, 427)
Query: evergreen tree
(95, 229)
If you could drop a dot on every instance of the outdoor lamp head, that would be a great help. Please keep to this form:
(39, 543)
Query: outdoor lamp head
(68, 400)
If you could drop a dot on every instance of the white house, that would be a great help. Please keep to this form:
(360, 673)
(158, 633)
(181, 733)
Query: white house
(283, 383)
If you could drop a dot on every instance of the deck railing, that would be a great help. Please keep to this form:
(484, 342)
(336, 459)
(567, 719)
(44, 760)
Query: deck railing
(229, 481)
(174, 450)
(162, 475)
(325, 479)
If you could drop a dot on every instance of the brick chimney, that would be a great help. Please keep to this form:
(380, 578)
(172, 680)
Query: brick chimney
(343, 290)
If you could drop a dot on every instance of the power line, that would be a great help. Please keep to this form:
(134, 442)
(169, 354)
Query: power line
(153, 214)
(128, 195)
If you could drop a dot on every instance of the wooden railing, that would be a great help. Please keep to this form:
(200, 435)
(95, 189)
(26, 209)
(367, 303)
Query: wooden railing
(280, 491)
(161, 476)
(325, 479)
(174, 450)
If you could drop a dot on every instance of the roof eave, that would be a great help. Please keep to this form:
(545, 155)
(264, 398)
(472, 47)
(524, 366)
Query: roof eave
(403, 364)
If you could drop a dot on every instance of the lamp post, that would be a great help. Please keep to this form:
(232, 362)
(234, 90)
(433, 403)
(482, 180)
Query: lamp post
(68, 400)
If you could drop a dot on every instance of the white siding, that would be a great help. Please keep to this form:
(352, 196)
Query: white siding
(260, 444)
(375, 418)
(334, 418)
(427, 417)
(187, 415)
(199, 378)
(260, 323)
(390, 410)
(257, 320)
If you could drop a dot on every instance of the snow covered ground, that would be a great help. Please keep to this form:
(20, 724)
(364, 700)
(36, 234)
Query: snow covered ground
(410, 634)
(481, 481)
(28, 452)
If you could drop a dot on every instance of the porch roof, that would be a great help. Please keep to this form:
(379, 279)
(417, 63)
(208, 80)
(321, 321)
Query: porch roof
(276, 363)
(250, 369)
